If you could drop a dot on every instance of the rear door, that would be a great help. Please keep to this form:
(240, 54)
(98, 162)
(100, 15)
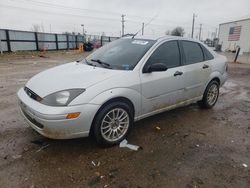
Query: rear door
(162, 89)
(197, 69)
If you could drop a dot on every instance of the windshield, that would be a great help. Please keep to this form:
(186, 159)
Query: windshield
(121, 54)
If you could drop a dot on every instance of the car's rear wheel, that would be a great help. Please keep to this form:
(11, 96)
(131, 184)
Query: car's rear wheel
(112, 123)
(211, 95)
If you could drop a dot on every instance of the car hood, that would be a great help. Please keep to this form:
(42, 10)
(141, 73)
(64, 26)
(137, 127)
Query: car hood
(68, 76)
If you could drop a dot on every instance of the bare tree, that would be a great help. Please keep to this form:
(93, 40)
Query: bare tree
(42, 28)
(35, 28)
(178, 31)
(168, 32)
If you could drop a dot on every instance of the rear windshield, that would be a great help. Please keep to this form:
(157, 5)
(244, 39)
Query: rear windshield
(121, 54)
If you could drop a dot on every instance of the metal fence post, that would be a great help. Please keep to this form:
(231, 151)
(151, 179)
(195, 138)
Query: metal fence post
(8, 40)
(1, 49)
(56, 41)
(36, 40)
(67, 42)
(101, 40)
(76, 42)
(236, 55)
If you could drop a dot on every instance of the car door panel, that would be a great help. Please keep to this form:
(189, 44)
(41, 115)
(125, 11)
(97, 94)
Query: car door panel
(197, 70)
(162, 89)
(195, 79)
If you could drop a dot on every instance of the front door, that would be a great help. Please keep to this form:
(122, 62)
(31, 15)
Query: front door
(162, 89)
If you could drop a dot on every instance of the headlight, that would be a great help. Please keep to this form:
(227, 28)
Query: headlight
(61, 98)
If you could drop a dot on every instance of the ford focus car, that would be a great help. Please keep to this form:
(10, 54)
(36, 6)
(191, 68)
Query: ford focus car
(124, 81)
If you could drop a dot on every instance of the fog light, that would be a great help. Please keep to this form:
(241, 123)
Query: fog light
(73, 115)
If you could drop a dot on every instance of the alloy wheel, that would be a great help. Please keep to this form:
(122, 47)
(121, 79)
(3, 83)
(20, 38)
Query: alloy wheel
(115, 124)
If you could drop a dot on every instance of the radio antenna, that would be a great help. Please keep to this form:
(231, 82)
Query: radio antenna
(152, 19)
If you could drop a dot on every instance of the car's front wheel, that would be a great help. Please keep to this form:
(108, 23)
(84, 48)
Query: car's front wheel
(210, 95)
(112, 123)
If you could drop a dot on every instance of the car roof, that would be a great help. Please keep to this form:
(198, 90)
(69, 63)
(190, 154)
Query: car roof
(161, 37)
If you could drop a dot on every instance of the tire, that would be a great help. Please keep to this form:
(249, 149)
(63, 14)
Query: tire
(112, 124)
(210, 95)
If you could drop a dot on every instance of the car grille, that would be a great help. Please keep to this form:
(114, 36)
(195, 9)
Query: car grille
(39, 125)
(32, 94)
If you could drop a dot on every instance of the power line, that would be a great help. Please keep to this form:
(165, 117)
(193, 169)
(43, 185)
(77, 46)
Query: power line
(66, 14)
(79, 14)
(145, 25)
(67, 7)
(57, 6)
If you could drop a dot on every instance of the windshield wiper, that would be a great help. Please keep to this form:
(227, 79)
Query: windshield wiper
(88, 62)
(101, 62)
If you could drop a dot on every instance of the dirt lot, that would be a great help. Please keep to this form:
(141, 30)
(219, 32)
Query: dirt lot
(193, 148)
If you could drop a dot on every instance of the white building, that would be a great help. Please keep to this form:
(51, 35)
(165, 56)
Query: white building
(235, 33)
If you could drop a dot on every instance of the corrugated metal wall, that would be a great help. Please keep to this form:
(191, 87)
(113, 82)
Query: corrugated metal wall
(3, 46)
(106, 39)
(12, 40)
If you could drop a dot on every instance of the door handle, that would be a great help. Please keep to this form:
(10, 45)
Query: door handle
(205, 66)
(178, 73)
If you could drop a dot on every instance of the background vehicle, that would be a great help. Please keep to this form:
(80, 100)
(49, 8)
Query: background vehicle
(88, 46)
(122, 82)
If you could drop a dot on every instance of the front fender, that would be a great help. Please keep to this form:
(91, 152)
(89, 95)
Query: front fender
(132, 95)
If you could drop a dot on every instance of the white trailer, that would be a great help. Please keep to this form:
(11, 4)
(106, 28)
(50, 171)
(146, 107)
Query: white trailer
(235, 34)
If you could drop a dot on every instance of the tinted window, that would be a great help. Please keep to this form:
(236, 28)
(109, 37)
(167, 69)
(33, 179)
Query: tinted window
(167, 53)
(207, 54)
(192, 52)
(122, 54)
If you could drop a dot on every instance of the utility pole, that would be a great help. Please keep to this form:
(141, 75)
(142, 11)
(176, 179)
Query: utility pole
(193, 25)
(200, 32)
(123, 24)
(216, 31)
(142, 30)
(82, 29)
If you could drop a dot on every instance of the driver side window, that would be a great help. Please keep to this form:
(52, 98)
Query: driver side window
(168, 53)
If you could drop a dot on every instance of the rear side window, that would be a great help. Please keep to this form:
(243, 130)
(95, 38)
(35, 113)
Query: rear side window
(167, 53)
(207, 54)
(192, 52)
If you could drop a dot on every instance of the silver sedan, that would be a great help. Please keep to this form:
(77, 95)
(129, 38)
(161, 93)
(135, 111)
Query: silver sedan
(124, 81)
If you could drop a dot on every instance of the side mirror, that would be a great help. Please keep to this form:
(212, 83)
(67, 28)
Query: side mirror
(157, 67)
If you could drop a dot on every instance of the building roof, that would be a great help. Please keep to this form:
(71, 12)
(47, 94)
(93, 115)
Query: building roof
(244, 18)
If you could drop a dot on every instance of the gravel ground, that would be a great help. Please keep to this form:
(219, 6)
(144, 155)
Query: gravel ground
(191, 147)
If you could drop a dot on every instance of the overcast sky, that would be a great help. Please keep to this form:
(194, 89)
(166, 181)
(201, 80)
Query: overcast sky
(99, 16)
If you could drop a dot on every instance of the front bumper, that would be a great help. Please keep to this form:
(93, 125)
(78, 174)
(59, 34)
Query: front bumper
(51, 122)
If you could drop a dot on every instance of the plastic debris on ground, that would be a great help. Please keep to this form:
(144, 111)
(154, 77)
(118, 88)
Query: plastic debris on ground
(95, 164)
(245, 165)
(158, 128)
(124, 144)
(16, 156)
(43, 147)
